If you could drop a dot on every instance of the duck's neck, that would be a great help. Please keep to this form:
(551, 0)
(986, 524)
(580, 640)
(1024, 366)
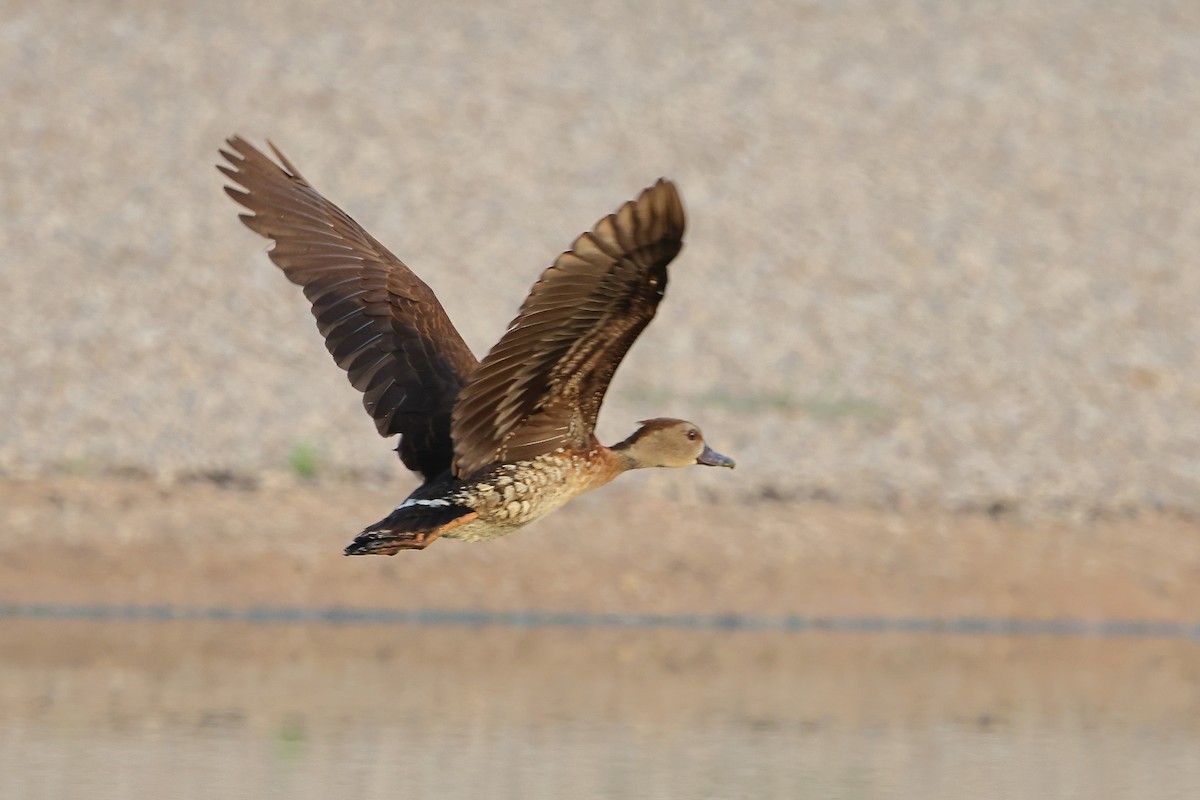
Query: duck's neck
(626, 455)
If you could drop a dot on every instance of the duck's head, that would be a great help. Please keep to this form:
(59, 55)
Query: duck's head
(669, 443)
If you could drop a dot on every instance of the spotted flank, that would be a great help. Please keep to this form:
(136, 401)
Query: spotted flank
(500, 442)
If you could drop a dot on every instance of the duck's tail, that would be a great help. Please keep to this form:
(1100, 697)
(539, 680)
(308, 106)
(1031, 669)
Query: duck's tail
(411, 526)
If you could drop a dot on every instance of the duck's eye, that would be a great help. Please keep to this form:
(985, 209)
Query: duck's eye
(692, 435)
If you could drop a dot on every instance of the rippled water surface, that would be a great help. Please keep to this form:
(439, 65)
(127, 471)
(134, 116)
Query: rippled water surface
(104, 710)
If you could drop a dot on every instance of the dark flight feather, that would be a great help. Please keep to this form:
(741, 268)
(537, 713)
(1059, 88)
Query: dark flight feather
(381, 323)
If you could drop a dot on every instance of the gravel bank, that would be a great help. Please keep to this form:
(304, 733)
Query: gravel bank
(939, 253)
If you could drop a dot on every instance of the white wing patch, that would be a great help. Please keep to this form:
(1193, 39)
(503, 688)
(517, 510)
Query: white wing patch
(435, 503)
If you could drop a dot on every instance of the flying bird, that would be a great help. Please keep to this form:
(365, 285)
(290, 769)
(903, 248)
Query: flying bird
(499, 442)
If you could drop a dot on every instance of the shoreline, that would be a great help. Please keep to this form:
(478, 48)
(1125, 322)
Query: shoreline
(106, 541)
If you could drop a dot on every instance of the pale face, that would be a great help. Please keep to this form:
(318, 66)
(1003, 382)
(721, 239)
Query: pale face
(674, 443)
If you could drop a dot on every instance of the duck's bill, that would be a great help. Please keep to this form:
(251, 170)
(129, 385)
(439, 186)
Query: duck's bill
(711, 458)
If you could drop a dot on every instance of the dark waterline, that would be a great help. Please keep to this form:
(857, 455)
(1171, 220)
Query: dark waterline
(431, 617)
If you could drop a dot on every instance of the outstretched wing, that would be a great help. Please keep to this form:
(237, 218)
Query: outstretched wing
(381, 323)
(541, 386)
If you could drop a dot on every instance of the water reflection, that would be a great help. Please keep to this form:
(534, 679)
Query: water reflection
(142, 709)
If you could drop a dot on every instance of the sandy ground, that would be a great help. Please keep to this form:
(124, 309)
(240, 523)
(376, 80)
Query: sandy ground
(939, 253)
(81, 540)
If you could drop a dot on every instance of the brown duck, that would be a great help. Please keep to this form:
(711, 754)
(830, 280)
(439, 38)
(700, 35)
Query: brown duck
(500, 442)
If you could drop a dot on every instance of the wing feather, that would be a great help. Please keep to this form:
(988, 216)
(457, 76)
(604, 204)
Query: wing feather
(381, 323)
(541, 386)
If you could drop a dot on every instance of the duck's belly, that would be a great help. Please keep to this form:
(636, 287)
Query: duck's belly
(481, 530)
(514, 495)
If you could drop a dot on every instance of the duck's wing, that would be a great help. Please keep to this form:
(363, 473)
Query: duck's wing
(381, 323)
(541, 386)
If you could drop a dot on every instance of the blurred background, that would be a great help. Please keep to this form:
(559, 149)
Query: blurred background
(935, 251)
(937, 299)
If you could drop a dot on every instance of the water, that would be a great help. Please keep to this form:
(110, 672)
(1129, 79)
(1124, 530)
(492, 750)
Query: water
(188, 709)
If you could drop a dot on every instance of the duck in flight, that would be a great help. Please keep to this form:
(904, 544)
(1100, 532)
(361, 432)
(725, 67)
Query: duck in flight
(502, 442)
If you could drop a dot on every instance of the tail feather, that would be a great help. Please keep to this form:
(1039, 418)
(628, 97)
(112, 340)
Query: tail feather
(411, 526)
